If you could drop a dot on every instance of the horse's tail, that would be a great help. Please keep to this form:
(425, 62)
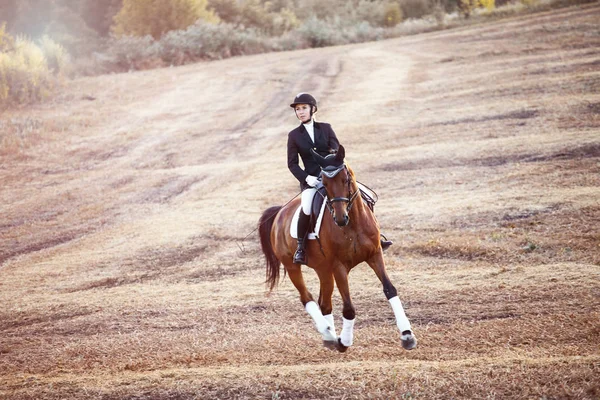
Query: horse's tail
(265, 224)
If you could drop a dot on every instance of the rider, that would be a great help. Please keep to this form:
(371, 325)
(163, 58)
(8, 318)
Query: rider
(309, 135)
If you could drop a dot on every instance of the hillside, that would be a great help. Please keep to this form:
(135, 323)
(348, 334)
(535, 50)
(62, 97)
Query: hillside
(125, 201)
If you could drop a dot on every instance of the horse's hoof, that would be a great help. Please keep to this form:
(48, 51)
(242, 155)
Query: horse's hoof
(330, 344)
(409, 341)
(340, 347)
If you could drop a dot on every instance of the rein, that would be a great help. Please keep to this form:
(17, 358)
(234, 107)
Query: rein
(350, 199)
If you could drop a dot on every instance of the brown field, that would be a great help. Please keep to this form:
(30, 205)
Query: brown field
(124, 203)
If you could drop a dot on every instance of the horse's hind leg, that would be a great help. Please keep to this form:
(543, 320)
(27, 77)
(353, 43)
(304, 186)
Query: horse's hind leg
(408, 339)
(311, 307)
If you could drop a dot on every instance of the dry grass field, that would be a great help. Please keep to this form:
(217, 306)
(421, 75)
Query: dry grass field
(124, 203)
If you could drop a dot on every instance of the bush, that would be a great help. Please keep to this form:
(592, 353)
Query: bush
(284, 21)
(489, 5)
(7, 42)
(229, 11)
(393, 15)
(132, 53)
(320, 34)
(367, 11)
(201, 41)
(362, 32)
(24, 74)
(57, 58)
(416, 8)
(157, 17)
(208, 41)
(412, 27)
(466, 7)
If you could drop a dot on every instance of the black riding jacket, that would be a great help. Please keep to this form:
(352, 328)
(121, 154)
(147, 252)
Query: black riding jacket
(299, 143)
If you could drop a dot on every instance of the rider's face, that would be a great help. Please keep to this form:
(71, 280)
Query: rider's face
(303, 112)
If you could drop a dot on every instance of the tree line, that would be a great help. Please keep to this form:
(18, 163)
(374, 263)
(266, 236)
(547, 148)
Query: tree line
(81, 25)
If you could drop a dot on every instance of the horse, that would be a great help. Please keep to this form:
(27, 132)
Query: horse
(351, 236)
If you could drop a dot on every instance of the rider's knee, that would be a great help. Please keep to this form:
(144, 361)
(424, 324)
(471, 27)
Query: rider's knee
(307, 198)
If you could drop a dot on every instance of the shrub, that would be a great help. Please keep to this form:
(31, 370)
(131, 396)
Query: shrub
(362, 32)
(255, 15)
(320, 34)
(228, 11)
(412, 27)
(284, 21)
(489, 5)
(57, 58)
(132, 52)
(393, 15)
(209, 41)
(24, 74)
(466, 7)
(416, 8)
(289, 41)
(7, 42)
(530, 3)
(157, 17)
(367, 11)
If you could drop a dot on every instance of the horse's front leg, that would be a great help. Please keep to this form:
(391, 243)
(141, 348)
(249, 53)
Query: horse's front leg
(409, 340)
(311, 307)
(346, 339)
(326, 282)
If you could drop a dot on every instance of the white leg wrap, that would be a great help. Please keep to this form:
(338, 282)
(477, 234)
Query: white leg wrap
(401, 320)
(330, 321)
(347, 334)
(320, 322)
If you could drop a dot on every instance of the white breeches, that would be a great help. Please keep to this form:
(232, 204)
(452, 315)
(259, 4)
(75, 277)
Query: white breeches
(307, 199)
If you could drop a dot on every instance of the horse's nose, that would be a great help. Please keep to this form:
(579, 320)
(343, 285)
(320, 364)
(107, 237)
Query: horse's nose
(344, 222)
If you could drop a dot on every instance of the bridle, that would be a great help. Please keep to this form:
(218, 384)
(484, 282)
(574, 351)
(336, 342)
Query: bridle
(330, 173)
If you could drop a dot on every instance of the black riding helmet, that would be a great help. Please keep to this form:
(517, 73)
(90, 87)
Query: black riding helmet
(304, 98)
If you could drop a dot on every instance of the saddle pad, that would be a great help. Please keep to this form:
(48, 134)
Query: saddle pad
(294, 225)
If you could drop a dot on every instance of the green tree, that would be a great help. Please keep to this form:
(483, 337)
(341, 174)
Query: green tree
(157, 17)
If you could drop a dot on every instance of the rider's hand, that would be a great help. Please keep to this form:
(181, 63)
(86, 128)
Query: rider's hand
(312, 180)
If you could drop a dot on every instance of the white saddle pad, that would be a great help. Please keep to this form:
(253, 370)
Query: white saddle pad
(311, 235)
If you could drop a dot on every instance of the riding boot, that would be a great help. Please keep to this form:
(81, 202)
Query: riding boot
(300, 254)
(385, 244)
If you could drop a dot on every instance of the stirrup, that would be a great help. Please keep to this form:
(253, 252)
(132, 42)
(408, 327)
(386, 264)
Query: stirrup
(300, 256)
(385, 243)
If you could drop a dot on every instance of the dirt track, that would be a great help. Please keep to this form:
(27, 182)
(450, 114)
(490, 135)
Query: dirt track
(121, 274)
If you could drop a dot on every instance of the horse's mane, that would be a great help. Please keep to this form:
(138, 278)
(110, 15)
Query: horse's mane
(351, 171)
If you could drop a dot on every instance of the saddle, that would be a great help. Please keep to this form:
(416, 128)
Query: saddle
(318, 208)
(316, 216)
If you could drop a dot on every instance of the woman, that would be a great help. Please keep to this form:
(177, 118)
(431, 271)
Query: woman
(309, 135)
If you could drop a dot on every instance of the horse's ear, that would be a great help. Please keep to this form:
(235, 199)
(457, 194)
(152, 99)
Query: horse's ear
(341, 153)
(318, 158)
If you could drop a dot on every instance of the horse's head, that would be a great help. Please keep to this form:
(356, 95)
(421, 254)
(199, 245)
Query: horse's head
(338, 181)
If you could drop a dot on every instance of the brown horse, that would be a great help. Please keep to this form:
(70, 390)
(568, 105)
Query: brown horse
(350, 237)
